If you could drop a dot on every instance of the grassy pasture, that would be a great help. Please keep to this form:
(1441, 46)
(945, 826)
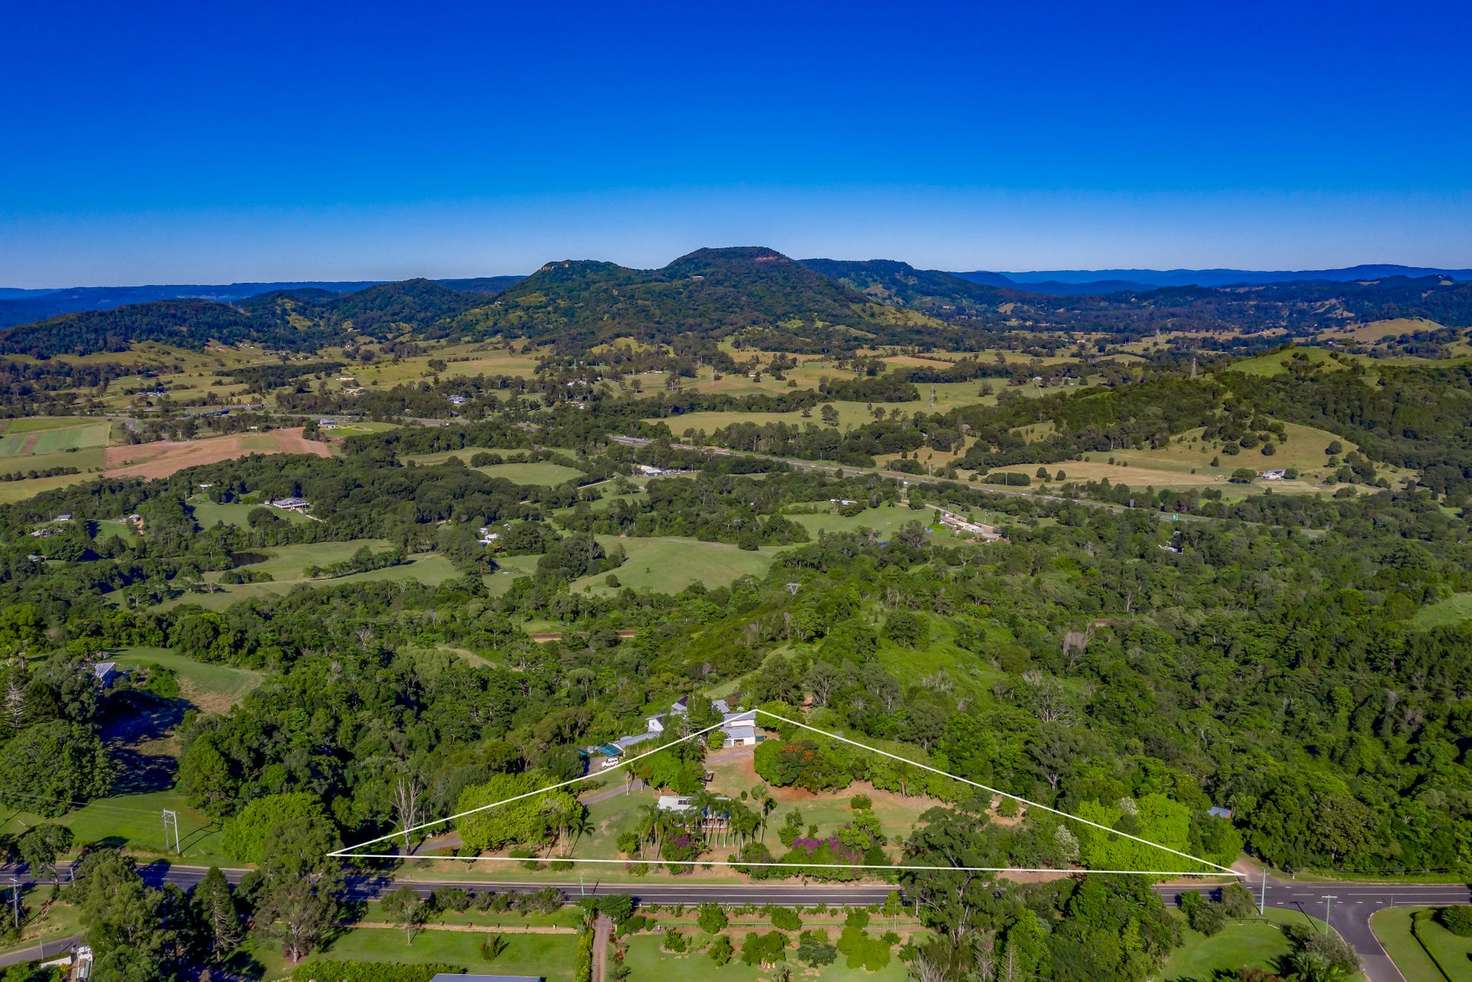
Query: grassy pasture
(135, 822)
(288, 567)
(537, 472)
(210, 513)
(886, 520)
(361, 427)
(1186, 463)
(209, 686)
(433, 459)
(668, 564)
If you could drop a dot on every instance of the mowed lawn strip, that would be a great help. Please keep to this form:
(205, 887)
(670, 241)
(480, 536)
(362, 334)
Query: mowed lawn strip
(1421, 948)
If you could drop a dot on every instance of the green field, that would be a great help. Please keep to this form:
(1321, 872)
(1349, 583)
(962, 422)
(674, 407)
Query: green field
(59, 920)
(886, 520)
(51, 434)
(134, 822)
(464, 454)
(668, 564)
(511, 569)
(210, 513)
(647, 960)
(1252, 943)
(288, 566)
(361, 427)
(202, 683)
(1453, 610)
(537, 472)
(1422, 949)
(13, 491)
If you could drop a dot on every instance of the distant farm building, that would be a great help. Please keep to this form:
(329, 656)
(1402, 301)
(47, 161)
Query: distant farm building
(962, 526)
(291, 504)
(1273, 475)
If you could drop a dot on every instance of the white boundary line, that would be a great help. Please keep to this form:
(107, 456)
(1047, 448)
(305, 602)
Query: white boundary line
(1217, 870)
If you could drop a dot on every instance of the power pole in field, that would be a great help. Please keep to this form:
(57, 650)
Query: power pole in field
(1328, 902)
(171, 824)
(1262, 900)
(15, 899)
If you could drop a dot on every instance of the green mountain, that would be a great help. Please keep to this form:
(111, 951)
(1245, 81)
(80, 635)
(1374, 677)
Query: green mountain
(713, 293)
(293, 320)
(930, 291)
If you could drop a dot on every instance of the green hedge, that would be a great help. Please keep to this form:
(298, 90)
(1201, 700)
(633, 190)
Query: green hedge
(335, 971)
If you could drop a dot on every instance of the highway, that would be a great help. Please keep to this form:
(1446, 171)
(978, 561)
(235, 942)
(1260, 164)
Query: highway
(1349, 911)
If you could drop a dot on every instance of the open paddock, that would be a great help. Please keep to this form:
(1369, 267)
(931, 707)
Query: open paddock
(165, 457)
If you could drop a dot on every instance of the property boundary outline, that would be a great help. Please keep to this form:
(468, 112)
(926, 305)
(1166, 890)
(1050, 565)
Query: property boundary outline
(1216, 869)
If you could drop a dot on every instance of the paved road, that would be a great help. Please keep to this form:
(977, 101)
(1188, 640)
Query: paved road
(40, 952)
(1349, 911)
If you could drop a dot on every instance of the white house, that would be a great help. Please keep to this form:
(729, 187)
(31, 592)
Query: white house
(675, 803)
(487, 536)
(291, 504)
(1273, 475)
(649, 471)
(740, 729)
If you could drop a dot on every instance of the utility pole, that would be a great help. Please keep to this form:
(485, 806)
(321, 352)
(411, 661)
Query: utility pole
(1328, 902)
(1262, 900)
(171, 823)
(15, 899)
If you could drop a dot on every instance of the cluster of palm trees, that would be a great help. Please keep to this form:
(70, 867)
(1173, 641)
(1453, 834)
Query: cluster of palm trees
(570, 819)
(719, 820)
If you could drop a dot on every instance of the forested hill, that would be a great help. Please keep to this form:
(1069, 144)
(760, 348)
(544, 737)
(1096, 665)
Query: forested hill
(293, 320)
(931, 291)
(710, 293)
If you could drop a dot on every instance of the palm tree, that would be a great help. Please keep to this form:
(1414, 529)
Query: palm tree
(579, 825)
(769, 805)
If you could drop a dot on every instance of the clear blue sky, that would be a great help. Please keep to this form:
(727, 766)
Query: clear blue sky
(214, 142)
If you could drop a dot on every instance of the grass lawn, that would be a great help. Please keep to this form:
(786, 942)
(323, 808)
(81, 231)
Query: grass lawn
(886, 520)
(647, 960)
(114, 527)
(553, 956)
(1452, 610)
(288, 566)
(209, 513)
(511, 569)
(204, 684)
(668, 564)
(359, 428)
(540, 472)
(59, 920)
(1251, 943)
(1422, 949)
(135, 822)
(13, 491)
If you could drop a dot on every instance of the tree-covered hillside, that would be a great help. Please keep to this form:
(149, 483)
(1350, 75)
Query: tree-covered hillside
(709, 293)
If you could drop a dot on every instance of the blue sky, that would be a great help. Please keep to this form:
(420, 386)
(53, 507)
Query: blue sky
(211, 142)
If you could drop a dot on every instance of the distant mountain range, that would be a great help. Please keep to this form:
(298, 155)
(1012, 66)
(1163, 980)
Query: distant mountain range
(19, 306)
(751, 293)
(1097, 282)
(22, 306)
